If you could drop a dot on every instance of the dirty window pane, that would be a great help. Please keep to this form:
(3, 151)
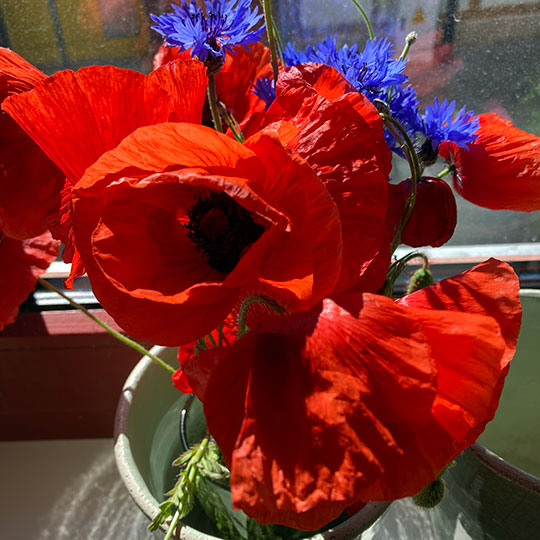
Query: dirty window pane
(482, 53)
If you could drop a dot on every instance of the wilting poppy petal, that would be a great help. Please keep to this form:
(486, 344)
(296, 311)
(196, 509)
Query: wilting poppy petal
(309, 412)
(21, 263)
(500, 169)
(340, 134)
(24, 168)
(178, 220)
(298, 414)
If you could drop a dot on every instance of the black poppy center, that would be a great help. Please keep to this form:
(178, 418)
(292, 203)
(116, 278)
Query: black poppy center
(221, 229)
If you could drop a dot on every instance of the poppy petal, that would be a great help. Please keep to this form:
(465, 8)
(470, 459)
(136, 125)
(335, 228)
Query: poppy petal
(16, 74)
(24, 168)
(234, 81)
(500, 169)
(76, 117)
(30, 185)
(185, 81)
(490, 288)
(21, 263)
(342, 139)
(306, 422)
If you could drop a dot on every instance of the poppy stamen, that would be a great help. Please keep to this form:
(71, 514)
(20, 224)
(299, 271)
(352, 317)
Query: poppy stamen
(221, 229)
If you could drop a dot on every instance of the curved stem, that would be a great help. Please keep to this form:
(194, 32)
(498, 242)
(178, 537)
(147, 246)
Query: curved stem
(120, 337)
(267, 8)
(230, 120)
(397, 130)
(398, 266)
(212, 102)
(242, 313)
(365, 17)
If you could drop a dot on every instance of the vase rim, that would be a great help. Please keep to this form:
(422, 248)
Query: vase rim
(505, 469)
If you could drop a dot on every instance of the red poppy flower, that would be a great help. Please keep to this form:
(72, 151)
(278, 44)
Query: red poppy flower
(501, 169)
(24, 168)
(318, 115)
(76, 117)
(434, 216)
(21, 263)
(179, 220)
(360, 398)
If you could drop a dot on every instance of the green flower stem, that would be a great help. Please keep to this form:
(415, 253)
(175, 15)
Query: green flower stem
(231, 122)
(448, 170)
(212, 101)
(265, 301)
(172, 526)
(408, 148)
(365, 17)
(409, 40)
(120, 337)
(267, 8)
(397, 268)
(279, 42)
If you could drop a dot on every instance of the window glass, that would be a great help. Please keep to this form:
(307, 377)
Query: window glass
(481, 53)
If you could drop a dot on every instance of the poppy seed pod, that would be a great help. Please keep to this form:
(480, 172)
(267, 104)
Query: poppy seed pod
(434, 216)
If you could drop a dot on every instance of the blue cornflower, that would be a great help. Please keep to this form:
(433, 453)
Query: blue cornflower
(404, 107)
(375, 68)
(264, 89)
(439, 125)
(369, 71)
(226, 24)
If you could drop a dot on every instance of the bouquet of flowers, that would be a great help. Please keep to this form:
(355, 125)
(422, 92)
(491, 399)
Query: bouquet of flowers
(236, 202)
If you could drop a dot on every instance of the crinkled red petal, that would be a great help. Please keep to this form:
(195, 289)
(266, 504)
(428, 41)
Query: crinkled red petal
(308, 423)
(16, 74)
(340, 134)
(490, 288)
(185, 81)
(30, 185)
(24, 168)
(234, 81)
